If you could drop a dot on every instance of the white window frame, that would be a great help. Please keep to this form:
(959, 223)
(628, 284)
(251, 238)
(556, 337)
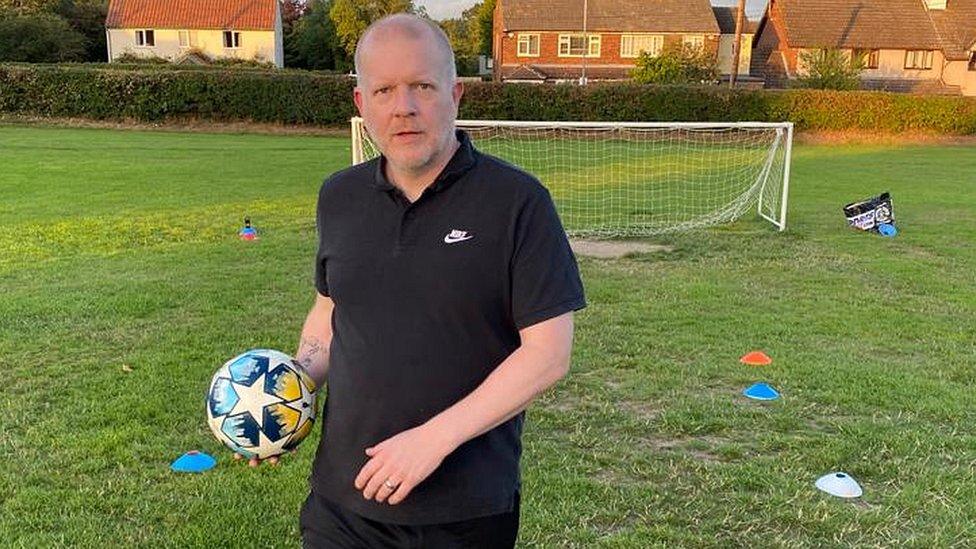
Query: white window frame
(184, 38)
(593, 45)
(972, 61)
(527, 42)
(235, 39)
(657, 42)
(872, 58)
(920, 60)
(694, 40)
(142, 36)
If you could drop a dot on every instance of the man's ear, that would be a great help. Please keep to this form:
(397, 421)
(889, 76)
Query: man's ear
(457, 92)
(357, 98)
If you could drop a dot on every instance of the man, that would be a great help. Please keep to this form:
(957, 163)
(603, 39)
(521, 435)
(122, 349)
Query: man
(446, 289)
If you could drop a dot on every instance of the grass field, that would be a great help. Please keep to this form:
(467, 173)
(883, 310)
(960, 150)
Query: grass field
(123, 287)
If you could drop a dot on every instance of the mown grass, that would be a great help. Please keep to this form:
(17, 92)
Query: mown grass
(119, 248)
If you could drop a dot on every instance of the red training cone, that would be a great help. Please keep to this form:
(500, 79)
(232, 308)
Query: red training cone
(756, 358)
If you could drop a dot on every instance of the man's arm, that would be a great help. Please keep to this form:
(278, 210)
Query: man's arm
(410, 457)
(313, 348)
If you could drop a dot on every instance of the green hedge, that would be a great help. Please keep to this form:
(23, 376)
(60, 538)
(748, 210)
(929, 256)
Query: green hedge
(104, 92)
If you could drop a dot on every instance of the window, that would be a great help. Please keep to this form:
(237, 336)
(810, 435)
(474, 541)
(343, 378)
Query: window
(575, 45)
(869, 57)
(145, 38)
(972, 60)
(528, 45)
(694, 41)
(232, 39)
(918, 59)
(631, 45)
(184, 39)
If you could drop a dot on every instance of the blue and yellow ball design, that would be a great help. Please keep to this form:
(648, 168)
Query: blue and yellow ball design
(261, 403)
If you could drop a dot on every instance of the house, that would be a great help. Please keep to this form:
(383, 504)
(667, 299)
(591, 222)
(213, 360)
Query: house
(184, 29)
(907, 45)
(554, 41)
(725, 17)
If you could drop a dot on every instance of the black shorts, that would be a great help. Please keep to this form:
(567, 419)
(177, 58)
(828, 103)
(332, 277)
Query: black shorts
(325, 525)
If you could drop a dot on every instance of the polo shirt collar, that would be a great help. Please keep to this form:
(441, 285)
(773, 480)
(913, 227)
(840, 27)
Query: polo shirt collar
(462, 161)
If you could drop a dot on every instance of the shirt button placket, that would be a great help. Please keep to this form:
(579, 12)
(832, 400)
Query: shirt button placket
(407, 217)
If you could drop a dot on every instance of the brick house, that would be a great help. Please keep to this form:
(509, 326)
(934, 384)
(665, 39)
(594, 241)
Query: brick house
(177, 29)
(926, 46)
(544, 40)
(725, 17)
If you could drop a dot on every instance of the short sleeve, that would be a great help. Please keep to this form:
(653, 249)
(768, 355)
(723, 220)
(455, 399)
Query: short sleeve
(321, 272)
(545, 277)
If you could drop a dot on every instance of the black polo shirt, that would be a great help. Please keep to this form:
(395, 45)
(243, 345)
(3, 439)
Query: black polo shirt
(429, 298)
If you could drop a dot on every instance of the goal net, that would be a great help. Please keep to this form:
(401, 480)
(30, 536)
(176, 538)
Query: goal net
(612, 179)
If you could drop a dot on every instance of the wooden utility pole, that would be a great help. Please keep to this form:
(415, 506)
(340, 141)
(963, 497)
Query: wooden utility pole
(736, 45)
(586, 51)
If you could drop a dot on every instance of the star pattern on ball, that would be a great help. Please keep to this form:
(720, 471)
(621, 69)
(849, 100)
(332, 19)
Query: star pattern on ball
(267, 448)
(253, 399)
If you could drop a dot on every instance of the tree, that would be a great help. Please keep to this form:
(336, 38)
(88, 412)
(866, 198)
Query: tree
(28, 7)
(676, 64)
(39, 39)
(480, 30)
(470, 36)
(464, 56)
(830, 69)
(351, 17)
(291, 11)
(312, 42)
(88, 19)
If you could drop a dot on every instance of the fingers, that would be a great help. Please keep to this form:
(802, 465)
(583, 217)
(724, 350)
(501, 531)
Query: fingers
(375, 489)
(254, 461)
(387, 487)
(366, 473)
(402, 491)
(378, 481)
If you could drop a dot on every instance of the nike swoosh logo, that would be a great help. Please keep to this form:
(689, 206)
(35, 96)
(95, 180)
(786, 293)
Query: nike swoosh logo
(452, 239)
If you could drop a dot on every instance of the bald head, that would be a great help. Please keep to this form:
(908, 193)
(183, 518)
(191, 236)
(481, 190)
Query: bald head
(406, 25)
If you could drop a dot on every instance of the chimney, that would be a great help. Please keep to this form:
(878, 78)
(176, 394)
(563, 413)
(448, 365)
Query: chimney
(935, 4)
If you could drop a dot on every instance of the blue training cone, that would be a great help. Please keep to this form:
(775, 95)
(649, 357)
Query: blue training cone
(761, 391)
(193, 462)
(248, 232)
(887, 229)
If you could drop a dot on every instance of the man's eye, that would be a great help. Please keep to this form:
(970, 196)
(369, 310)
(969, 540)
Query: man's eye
(425, 86)
(382, 91)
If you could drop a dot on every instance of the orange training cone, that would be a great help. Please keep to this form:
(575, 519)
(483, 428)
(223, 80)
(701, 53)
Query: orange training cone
(756, 358)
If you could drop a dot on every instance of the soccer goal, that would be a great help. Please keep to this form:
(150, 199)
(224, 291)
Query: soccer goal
(612, 179)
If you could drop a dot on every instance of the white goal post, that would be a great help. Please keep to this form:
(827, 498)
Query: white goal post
(623, 179)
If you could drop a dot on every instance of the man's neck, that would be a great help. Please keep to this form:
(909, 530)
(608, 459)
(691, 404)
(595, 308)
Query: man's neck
(412, 184)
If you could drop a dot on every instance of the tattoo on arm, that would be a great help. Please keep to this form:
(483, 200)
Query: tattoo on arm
(307, 350)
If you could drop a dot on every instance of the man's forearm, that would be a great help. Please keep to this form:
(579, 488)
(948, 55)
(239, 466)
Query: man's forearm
(313, 348)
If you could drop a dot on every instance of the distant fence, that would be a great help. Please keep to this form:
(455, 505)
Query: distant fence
(152, 94)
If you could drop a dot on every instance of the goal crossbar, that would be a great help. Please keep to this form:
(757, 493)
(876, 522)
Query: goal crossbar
(641, 178)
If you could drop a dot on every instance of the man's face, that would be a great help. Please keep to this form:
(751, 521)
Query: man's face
(406, 100)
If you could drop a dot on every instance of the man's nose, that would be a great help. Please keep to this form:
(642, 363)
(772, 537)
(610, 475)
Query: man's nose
(405, 102)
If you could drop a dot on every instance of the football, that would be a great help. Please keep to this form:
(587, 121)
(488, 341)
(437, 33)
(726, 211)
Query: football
(261, 403)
